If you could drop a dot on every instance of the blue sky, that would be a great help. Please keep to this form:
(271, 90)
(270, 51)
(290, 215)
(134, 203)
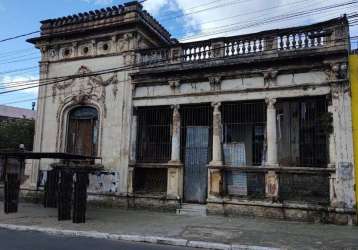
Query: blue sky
(192, 19)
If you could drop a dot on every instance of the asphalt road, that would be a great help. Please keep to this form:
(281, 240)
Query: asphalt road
(17, 240)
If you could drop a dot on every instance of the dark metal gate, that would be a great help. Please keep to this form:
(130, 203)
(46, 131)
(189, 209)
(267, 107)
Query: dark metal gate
(12, 189)
(154, 140)
(196, 141)
(51, 189)
(303, 129)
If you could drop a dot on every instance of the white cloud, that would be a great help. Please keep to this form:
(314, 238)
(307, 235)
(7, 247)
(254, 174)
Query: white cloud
(19, 82)
(238, 17)
(154, 6)
(98, 2)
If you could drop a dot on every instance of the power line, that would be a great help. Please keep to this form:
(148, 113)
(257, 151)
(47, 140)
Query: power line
(18, 36)
(35, 32)
(20, 60)
(18, 51)
(18, 70)
(202, 10)
(51, 95)
(253, 12)
(22, 82)
(191, 8)
(264, 21)
(15, 57)
(34, 58)
(49, 81)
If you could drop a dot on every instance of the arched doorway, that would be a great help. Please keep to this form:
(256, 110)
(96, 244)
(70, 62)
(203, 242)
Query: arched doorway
(82, 131)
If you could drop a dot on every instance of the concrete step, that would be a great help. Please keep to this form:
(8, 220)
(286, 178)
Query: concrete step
(192, 210)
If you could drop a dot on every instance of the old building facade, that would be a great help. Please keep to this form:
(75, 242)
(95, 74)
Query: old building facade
(256, 124)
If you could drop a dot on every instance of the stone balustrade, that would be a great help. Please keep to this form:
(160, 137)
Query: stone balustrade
(272, 42)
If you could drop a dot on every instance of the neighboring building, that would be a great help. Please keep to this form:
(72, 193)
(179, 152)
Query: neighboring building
(353, 76)
(257, 124)
(9, 113)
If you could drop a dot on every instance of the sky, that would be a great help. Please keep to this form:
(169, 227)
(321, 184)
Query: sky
(186, 20)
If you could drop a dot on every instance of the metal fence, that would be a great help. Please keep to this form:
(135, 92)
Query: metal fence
(244, 133)
(150, 180)
(154, 134)
(303, 129)
(242, 183)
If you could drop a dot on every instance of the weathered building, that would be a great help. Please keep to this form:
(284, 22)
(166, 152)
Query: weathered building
(256, 124)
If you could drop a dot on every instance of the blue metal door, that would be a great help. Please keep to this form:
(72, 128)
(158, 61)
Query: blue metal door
(196, 160)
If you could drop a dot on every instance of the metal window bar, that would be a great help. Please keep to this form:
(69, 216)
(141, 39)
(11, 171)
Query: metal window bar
(246, 184)
(154, 134)
(244, 129)
(303, 131)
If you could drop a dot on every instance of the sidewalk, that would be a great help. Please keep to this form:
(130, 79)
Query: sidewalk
(228, 230)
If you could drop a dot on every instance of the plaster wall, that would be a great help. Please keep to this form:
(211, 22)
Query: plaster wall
(114, 107)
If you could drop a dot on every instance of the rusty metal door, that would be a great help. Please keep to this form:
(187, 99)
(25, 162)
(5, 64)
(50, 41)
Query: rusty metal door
(196, 159)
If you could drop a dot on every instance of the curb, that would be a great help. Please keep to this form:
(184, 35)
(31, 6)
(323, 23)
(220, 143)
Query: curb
(135, 238)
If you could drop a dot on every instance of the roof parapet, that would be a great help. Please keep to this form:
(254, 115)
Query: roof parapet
(105, 17)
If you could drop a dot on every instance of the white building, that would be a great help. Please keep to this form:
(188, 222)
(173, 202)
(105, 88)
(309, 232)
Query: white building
(257, 124)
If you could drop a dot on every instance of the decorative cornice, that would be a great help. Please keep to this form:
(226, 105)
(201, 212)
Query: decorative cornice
(105, 17)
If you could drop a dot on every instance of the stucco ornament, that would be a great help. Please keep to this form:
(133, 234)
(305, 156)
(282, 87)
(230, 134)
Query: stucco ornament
(85, 87)
(215, 82)
(337, 71)
(270, 77)
(124, 42)
(174, 84)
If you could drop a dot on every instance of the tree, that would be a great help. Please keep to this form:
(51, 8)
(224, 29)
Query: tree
(14, 132)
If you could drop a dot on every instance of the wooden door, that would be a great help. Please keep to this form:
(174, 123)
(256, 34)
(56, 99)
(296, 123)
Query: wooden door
(82, 131)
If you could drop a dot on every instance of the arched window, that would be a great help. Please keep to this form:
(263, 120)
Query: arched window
(82, 131)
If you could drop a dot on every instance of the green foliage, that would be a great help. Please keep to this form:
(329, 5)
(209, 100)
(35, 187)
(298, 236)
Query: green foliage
(16, 132)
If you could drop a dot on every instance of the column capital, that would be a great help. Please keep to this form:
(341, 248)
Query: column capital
(216, 106)
(175, 107)
(175, 155)
(270, 102)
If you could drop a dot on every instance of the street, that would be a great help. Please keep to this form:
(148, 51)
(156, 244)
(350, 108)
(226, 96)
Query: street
(17, 240)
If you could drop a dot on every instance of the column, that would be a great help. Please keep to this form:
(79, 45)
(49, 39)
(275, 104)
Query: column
(217, 149)
(271, 133)
(215, 172)
(343, 181)
(332, 161)
(133, 140)
(175, 157)
(271, 178)
(133, 151)
(174, 183)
